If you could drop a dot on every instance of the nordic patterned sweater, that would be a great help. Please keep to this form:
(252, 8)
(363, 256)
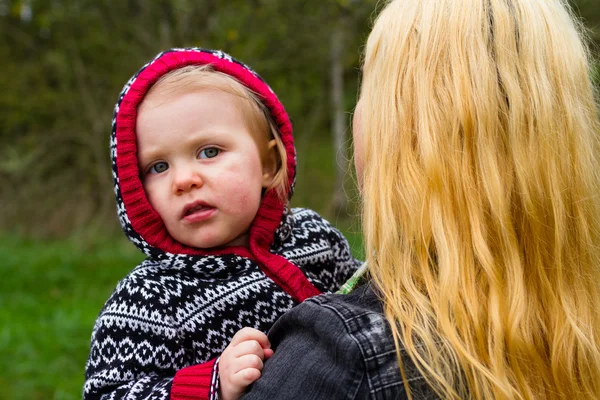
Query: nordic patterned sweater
(161, 331)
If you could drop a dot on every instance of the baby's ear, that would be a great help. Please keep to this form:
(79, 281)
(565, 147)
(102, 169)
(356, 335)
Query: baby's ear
(269, 163)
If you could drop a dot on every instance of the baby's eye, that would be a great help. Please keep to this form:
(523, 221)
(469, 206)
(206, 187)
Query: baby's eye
(209, 152)
(158, 168)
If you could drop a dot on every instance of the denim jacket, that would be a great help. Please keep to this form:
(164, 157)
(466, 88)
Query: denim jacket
(336, 347)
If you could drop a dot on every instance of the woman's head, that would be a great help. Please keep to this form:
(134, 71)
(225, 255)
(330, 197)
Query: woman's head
(478, 139)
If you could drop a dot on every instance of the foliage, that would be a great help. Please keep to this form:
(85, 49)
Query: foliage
(65, 61)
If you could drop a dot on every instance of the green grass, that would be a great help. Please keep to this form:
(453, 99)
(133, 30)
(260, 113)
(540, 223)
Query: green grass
(50, 295)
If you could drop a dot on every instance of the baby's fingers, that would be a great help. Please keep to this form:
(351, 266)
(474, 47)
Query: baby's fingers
(246, 377)
(248, 347)
(268, 353)
(248, 361)
(246, 334)
(248, 369)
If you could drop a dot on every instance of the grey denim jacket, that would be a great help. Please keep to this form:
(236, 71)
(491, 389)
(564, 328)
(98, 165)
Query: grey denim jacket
(336, 347)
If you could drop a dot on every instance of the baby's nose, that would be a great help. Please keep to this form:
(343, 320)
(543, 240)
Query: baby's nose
(187, 180)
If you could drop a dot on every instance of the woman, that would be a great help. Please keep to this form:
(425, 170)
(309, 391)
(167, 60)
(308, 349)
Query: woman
(477, 155)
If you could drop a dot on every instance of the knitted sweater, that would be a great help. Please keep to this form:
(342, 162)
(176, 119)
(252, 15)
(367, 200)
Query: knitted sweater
(159, 334)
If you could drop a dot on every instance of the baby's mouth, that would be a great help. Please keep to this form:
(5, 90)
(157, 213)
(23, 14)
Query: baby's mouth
(196, 209)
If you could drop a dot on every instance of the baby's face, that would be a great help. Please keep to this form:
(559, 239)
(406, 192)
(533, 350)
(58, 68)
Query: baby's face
(201, 167)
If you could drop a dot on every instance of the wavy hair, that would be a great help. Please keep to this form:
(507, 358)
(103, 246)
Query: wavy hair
(479, 134)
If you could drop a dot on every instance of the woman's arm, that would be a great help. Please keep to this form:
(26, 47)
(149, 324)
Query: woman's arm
(314, 358)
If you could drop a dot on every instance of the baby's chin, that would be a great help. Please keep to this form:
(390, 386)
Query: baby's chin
(241, 240)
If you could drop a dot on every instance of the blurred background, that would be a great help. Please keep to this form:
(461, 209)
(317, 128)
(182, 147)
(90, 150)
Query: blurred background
(62, 65)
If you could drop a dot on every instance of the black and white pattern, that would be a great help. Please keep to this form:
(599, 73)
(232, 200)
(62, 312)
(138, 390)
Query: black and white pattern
(183, 310)
(175, 310)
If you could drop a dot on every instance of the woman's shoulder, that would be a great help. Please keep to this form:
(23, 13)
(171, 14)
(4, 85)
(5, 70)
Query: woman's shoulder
(359, 320)
(360, 317)
(361, 309)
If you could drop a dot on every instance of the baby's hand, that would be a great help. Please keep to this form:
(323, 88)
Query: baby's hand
(241, 362)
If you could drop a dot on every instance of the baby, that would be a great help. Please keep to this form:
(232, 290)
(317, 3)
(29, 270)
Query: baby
(203, 167)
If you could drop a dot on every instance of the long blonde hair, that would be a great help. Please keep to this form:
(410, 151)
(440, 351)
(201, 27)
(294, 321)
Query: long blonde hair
(481, 198)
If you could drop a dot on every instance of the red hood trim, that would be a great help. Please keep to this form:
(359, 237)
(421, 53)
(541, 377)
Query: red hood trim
(146, 221)
(283, 272)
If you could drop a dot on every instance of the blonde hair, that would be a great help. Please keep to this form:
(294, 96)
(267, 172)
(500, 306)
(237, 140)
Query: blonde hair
(481, 210)
(258, 117)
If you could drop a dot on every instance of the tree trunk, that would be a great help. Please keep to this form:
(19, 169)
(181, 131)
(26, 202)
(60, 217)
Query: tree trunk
(339, 201)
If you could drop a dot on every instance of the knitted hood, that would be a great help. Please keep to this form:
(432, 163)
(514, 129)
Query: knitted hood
(140, 222)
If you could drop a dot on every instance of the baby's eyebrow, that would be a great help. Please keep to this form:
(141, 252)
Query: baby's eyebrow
(147, 156)
(208, 136)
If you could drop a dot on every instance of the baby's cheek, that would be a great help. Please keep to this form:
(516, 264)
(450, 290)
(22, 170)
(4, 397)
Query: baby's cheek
(157, 202)
(244, 202)
(244, 188)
